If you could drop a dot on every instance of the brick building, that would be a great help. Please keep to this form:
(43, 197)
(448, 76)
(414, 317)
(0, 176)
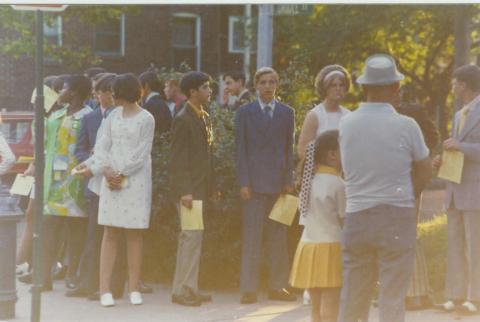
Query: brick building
(207, 37)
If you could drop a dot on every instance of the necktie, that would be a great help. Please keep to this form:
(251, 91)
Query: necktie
(463, 116)
(268, 111)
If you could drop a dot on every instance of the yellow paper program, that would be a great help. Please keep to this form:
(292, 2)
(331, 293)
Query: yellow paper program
(192, 219)
(284, 209)
(452, 166)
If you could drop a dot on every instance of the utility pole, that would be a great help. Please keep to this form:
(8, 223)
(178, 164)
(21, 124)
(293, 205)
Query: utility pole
(39, 166)
(248, 42)
(265, 35)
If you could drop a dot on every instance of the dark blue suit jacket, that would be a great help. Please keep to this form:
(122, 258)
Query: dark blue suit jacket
(87, 138)
(264, 149)
(161, 113)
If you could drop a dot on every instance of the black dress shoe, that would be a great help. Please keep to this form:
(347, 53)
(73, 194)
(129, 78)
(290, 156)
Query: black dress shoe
(281, 295)
(415, 303)
(59, 273)
(186, 300)
(248, 298)
(26, 278)
(145, 289)
(94, 296)
(71, 282)
(76, 292)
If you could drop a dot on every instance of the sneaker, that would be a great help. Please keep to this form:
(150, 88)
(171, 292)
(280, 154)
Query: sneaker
(136, 298)
(21, 269)
(106, 300)
(448, 306)
(469, 308)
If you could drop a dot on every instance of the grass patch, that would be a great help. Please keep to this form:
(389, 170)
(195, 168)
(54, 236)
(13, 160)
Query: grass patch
(433, 237)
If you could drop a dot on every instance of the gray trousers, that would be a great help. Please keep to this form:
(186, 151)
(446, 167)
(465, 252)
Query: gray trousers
(463, 256)
(255, 224)
(378, 244)
(189, 249)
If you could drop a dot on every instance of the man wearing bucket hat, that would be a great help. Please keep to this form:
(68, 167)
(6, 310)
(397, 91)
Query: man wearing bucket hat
(379, 149)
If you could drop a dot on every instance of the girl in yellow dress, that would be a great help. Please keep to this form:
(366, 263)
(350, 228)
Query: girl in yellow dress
(317, 265)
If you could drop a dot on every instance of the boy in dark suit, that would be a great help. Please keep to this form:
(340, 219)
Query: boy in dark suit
(264, 137)
(191, 170)
(153, 101)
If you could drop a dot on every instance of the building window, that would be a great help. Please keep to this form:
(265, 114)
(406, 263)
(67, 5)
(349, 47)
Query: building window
(236, 35)
(52, 30)
(186, 38)
(109, 38)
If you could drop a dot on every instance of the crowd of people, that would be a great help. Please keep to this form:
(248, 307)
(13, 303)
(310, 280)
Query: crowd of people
(360, 182)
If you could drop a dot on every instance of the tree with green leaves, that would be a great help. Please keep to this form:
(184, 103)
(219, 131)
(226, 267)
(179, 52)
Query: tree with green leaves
(421, 37)
(18, 33)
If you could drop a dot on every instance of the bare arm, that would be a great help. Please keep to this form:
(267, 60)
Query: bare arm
(309, 130)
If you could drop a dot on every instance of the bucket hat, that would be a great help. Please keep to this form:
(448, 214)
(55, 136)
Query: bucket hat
(380, 69)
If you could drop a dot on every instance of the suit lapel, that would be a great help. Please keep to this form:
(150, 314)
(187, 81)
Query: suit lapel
(471, 121)
(197, 121)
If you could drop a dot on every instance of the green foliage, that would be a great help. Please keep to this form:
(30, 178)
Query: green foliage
(433, 237)
(419, 36)
(18, 33)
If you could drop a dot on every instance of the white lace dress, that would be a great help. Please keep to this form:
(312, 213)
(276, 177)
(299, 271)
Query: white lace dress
(125, 145)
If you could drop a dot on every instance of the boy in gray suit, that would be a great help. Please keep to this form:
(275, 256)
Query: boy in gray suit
(462, 200)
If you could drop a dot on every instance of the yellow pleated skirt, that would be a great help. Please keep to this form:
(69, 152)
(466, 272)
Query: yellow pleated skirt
(317, 265)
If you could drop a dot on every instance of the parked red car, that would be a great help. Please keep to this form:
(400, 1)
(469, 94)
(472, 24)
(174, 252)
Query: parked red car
(17, 130)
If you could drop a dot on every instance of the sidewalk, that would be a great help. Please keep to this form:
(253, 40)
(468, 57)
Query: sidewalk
(225, 307)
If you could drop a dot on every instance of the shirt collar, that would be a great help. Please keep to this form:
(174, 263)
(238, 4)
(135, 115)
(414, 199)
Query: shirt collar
(272, 104)
(242, 93)
(371, 107)
(79, 114)
(199, 111)
(321, 168)
(152, 94)
(473, 103)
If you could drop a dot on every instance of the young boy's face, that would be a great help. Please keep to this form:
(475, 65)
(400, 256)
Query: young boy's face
(203, 93)
(267, 86)
(170, 90)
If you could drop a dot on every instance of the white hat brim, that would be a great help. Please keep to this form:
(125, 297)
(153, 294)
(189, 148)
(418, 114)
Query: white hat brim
(363, 80)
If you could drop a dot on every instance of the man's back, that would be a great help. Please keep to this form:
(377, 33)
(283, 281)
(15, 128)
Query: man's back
(378, 146)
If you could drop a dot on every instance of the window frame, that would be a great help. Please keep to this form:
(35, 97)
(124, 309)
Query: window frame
(119, 53)
(231, 22)
(198, 35)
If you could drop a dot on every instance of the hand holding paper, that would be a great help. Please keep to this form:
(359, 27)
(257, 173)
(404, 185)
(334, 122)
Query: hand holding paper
(451, 167)
(192, 219)
(284, 209)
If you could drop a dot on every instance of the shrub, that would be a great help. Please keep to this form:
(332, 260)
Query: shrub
(433, 236)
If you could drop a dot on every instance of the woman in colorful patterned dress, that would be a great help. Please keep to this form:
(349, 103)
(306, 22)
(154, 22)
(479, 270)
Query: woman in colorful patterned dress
(63, 193)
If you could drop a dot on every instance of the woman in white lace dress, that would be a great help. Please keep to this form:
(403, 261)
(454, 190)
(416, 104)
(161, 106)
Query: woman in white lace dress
(123, 151)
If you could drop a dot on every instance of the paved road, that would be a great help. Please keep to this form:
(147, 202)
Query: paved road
(225, 307)
(57, 308)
